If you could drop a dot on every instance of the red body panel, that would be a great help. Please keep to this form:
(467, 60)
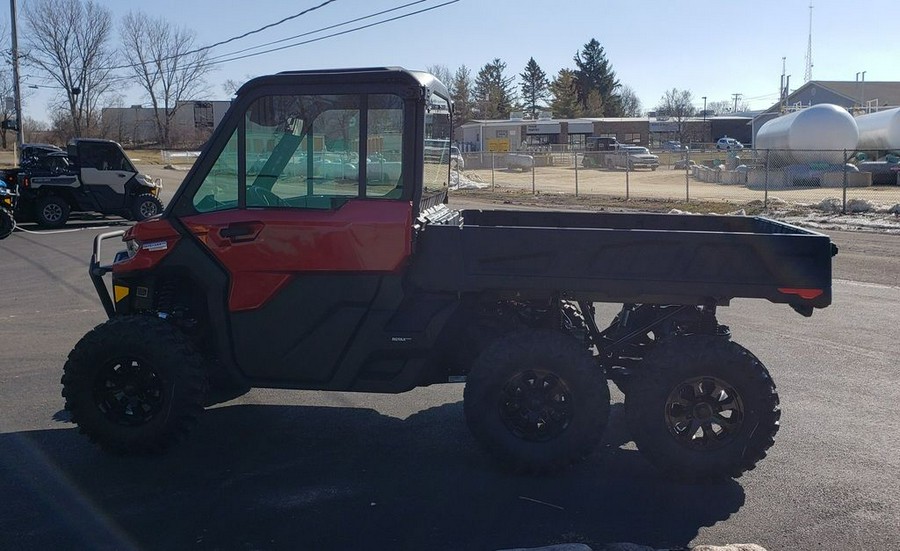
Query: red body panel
(269, 246)
(151, 234)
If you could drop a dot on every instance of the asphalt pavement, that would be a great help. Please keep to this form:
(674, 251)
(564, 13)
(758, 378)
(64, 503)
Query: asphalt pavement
(312, 470)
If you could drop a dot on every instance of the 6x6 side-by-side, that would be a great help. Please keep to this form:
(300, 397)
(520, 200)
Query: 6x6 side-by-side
(311, 246)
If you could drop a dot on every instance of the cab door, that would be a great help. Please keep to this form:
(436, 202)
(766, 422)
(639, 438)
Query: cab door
(306, 238)
(104, 173)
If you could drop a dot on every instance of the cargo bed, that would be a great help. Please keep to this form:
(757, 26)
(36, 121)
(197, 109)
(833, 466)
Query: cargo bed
(624, 257)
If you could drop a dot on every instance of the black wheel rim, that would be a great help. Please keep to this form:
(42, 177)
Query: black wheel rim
(128, 392)
(147, 209)
(536, 405)
(704, 413)
(52, 212)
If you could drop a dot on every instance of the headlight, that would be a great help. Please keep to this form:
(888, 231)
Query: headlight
(132, 246)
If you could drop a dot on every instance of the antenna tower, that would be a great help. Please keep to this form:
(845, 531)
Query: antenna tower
(807, 75)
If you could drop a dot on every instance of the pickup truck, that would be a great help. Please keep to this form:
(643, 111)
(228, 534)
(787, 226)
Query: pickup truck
(257, 278)
(90, 175)
(630, 157)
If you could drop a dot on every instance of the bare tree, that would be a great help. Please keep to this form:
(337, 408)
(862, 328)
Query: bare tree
(678, 105)
(7, 90)
(231, 86)
(442, 73)
(723, 107)
(631, 104)
(68, 40)
(167, 65)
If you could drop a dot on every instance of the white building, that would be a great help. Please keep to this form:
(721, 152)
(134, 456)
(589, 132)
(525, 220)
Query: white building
(193, 122)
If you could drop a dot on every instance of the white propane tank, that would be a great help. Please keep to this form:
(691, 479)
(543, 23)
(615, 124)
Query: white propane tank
(879, 130)
(819, 133)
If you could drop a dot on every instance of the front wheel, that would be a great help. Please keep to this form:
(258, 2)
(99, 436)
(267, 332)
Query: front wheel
(51, 211)
(7, 223)
(134, 384)
(702, 408)
(144, 206)
(536, 401)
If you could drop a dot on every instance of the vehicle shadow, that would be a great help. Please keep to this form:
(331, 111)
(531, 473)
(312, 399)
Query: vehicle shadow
(294, 477)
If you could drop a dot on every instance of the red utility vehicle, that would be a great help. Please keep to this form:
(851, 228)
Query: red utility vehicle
(311, 247)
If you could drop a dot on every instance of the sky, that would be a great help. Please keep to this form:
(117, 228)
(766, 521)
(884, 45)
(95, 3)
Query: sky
(709, 47)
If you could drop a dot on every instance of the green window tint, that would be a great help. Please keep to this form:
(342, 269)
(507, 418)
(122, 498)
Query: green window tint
(384, 145)
(303, 151)
(219, 190)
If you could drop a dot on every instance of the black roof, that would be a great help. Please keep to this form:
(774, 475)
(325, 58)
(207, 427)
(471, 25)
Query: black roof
(360, 74)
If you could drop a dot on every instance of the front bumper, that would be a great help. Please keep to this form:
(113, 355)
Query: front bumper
(97, 270)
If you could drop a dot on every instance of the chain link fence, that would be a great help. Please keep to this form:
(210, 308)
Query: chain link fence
(834, 181)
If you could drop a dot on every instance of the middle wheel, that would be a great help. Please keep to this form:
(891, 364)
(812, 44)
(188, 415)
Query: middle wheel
(537, 401)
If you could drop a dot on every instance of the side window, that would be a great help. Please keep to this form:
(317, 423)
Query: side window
(384, 144)
(219, 190)
(303, 151)
(436, 174)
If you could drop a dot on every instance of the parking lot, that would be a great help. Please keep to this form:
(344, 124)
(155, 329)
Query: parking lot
(311, 470)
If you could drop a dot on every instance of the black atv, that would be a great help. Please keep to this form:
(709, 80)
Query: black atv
(89, 176)
(8, 200)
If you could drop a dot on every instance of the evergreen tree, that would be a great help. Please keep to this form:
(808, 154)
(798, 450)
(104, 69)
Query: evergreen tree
(595, 73)
(461, 91)
(565, 104)
(494, 96)
(535, 87)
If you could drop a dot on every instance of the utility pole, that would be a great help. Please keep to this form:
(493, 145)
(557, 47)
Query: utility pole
(782, 91)
(736, 98)
(20, 132)
(807, 76)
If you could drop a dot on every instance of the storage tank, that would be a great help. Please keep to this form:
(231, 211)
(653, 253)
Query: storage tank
(879, 130)
(819, 133)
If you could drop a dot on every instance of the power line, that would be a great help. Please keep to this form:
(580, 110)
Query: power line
(269, 26)
(319, 30)
(232, 39)
(348, 31)
(294, 45)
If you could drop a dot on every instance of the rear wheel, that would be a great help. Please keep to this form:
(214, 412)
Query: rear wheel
(702, 407)
(145, 206)
(51, 211)
(134, 384)
(536, 401)
(7, 223)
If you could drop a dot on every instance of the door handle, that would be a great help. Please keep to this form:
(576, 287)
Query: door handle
(240, 232)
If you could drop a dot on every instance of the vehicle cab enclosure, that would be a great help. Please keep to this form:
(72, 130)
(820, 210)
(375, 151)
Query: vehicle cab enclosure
(291, 235)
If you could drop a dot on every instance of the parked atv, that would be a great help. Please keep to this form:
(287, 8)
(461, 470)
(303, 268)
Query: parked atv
(8, 199)
(89, 176)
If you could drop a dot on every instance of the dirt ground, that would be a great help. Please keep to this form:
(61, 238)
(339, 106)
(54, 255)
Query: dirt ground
(664, 183)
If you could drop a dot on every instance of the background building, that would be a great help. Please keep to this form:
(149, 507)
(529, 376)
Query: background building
(193, 122)
(517, 134)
